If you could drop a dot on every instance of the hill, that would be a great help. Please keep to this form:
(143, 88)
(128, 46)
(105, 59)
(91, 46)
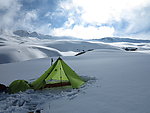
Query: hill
(117, 39)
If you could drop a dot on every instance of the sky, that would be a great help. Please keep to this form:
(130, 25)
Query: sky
(87, 19)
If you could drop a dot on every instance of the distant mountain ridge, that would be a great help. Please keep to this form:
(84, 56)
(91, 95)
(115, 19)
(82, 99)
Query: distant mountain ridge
(117, 39)
(23, 33)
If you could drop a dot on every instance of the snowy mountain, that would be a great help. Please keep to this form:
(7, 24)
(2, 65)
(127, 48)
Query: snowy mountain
(28, 46)
(116, 39)
(23, 33)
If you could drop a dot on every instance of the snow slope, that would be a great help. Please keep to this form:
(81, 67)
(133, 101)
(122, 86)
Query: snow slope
(14, 48)
(77, 46)
(121, 84)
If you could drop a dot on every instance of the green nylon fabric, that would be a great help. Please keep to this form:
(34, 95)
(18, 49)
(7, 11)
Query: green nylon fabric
(18, 85)
(57, 74)
(60, 72)
(40, 82)
(74, 79)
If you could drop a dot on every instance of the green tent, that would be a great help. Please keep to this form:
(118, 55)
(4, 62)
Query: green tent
(18, 85)
(59, 74)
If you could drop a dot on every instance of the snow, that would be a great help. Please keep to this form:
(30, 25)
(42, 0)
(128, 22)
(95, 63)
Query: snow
(142, 47)
(118, 81)
(15, 48)
(121, 85)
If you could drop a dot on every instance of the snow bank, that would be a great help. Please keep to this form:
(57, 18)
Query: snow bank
(21, 53)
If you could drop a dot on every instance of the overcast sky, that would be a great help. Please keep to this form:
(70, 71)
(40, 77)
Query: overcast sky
(79, 18)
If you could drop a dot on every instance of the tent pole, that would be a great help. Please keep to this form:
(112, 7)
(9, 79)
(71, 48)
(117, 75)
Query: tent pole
(51, 61)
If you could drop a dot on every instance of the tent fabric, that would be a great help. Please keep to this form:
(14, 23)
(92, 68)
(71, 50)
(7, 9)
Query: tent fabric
(59, 72)
(18, 85)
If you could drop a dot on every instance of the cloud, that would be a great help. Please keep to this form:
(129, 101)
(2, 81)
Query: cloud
(91, 19)
(80, 31)
(78, 18)
(26, 20)
(28, 15)
(139, 20)
(12, 17)
(8, 12)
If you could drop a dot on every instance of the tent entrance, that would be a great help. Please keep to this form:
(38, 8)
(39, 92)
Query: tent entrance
(60, 84)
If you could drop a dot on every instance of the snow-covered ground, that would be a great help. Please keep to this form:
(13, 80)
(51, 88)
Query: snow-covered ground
(141, 47)
(118, 81)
